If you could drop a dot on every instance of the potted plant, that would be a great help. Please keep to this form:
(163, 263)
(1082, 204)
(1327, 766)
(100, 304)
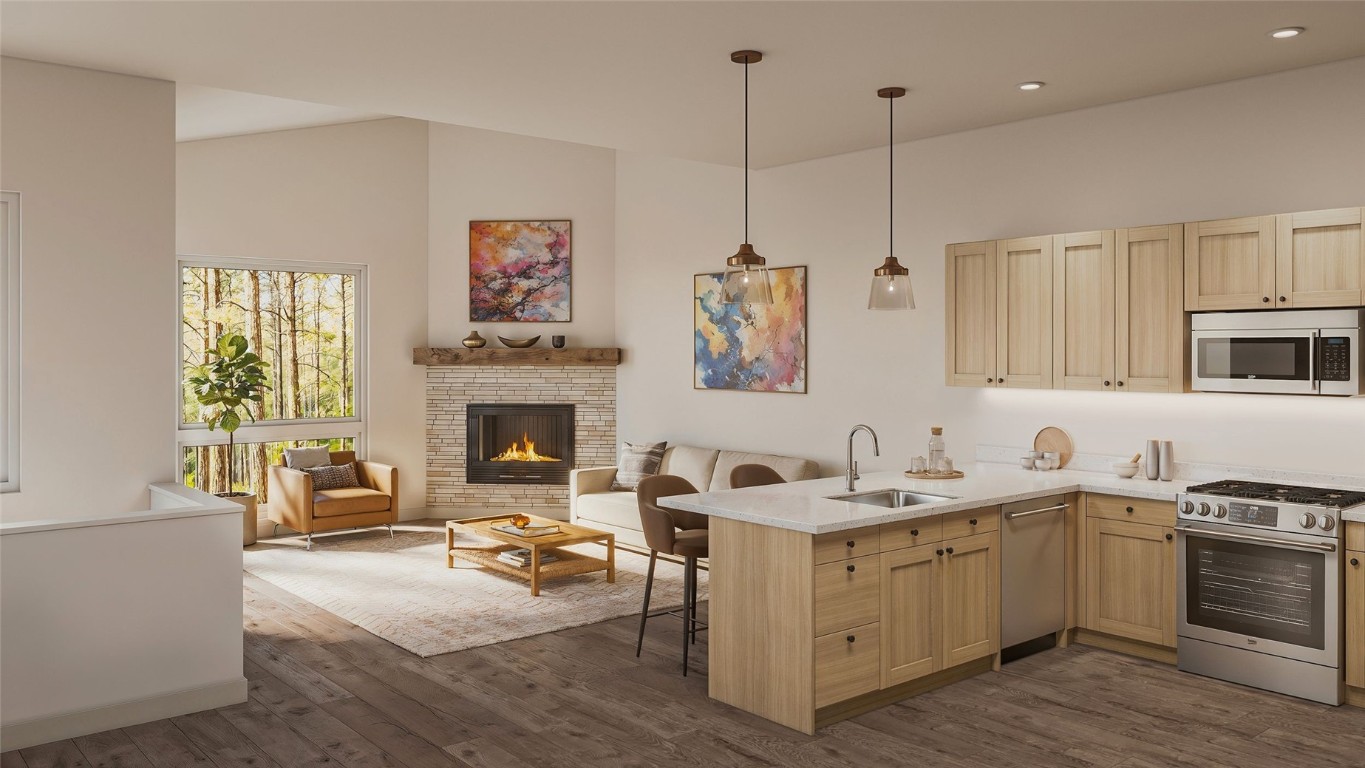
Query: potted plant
(233, 377)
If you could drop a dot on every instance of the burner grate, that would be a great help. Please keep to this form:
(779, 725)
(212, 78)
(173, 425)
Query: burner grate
(1289, 494)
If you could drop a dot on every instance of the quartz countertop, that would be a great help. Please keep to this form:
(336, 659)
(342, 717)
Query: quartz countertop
(1356, 515)
(803, 506)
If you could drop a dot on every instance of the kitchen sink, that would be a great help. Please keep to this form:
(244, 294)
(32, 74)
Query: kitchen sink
(891, 498)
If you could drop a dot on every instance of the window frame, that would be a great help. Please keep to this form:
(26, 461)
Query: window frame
(278, 430)
(11, 340)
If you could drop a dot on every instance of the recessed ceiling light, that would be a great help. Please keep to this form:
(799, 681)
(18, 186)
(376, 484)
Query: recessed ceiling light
(1032, 85)
(1286, 32)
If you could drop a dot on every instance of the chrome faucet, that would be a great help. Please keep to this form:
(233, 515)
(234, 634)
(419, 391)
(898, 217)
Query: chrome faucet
(852, 473)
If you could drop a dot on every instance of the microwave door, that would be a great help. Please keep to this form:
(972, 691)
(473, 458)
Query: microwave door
(1272, 361)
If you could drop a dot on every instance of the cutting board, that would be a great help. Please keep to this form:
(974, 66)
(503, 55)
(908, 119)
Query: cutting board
(1055, 439)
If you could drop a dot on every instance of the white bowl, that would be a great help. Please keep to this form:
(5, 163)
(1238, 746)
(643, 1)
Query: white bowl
(1042, 464)
(1026, 462)
(1125, 469)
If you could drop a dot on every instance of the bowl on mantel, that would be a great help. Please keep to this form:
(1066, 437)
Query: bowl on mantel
(519, 343)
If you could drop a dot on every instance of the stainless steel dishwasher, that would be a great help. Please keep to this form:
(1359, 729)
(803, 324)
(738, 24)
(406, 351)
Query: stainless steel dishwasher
(1032, 569)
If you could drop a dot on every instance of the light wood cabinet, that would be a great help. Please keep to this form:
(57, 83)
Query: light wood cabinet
(1320, 259)
(971, 598)
(1355, 604)
(1130, 580)
(846, 594)
(1023, 313)
(1083, 310)
(1230, 264)
(1151, 329)
(970, 353)
(847, 664)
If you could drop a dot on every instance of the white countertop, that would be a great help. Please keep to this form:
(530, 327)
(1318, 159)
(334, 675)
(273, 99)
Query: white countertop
(1356, 515)
(803, 506)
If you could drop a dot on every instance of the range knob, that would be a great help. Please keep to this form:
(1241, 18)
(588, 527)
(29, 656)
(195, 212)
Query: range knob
(1308, 520)
(1187, 507)
(1220, 511)
(1203, 509)
(1327, 522)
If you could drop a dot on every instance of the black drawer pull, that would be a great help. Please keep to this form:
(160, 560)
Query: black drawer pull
(972, 521)
(850, 543)
(1265, 299)
(1106, 383)
(1130, 510)
(1169, 537)
(851, 638)
(1355, 561)
(940, 553)
(914, 531)
(1120, 383)
(852, 568)
(990, 381)
(950, 550)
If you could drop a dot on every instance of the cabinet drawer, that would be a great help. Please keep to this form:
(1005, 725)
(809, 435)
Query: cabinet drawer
(847, 594)
(912, 533)
(1145, 511)
(847, 664)
(1355, 536)
(970, 522)
(844, 545)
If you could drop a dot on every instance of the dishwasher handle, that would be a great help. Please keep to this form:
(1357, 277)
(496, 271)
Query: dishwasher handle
(1031, 512)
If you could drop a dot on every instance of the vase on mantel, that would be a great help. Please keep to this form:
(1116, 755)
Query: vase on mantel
(474, 340)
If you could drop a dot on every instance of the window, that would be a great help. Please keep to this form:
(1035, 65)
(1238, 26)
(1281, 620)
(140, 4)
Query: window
(9, 341)
(304, 320)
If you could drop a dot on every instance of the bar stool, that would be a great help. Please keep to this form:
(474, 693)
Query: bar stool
(751, 475)
(672, 532)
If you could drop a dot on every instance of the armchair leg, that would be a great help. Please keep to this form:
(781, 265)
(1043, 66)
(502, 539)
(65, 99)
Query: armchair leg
(309, 548)
(275, 531)
(390, 527)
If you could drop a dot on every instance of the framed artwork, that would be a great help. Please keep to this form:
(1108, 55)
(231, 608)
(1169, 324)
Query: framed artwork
(519, 271)
(751, 347)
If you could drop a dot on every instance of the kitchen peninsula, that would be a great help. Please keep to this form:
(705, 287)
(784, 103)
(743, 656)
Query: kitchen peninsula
(823, 608)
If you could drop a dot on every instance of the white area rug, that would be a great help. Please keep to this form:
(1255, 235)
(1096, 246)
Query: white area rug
(401, 590)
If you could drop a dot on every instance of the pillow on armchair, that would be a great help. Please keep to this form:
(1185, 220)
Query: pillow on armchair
(303, 458)
(333, 476)
(637, 462)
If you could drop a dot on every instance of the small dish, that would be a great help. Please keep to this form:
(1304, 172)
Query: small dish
(1042, 464)
(1026, 462)
(1126, 469)
(519, 343)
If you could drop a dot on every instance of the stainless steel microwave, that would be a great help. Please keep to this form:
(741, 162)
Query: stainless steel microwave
(1287, 352)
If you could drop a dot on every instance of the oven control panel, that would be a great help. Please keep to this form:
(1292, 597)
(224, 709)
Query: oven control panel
(1336, 358)
(1254, 514)
(1213, 510)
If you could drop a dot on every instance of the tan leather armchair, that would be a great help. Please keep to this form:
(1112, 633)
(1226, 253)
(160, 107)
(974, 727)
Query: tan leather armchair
(294, 504)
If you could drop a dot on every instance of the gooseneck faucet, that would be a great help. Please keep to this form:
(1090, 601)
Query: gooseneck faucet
(852, 473)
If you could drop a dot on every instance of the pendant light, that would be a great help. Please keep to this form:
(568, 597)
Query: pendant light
(891, 281)
(746, 273)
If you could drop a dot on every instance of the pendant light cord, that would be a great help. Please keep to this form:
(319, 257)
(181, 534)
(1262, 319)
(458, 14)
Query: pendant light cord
(891, 175)
(746, 149)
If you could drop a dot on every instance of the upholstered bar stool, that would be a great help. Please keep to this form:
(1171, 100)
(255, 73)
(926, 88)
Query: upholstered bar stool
(672, 532)
(751, 475)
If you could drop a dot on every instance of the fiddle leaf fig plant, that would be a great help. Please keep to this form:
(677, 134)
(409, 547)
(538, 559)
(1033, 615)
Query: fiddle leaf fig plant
(233, 377)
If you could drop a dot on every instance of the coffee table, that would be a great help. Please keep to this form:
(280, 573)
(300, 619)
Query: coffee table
(566, 563)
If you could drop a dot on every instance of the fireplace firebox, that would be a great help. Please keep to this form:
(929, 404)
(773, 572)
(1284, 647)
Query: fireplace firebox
(519, 444)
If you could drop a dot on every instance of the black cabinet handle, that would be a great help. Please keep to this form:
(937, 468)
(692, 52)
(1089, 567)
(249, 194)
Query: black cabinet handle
(1106, 383)
(1283, 299)
(1355, 561)
(851, 638)
(940, 552)
(850, 543)
(1169, 536)
(950, 550)
(852, 568)
(1129, 509)
(914, 531)
(1000, 381)
(990, 381)
(1120, 383)
(972, 521)
(1265, 299)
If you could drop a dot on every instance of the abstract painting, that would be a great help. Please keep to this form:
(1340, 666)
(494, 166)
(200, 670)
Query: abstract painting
(519, 271)
(751, 347)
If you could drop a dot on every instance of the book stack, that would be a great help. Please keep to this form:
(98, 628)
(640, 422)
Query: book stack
(528, 531)
(521, 558)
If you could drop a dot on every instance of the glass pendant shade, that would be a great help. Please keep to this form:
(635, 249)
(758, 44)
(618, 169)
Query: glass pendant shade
(891, 287)
(746, 279)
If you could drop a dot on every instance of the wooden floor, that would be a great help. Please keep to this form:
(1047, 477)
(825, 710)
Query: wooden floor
(324, 692)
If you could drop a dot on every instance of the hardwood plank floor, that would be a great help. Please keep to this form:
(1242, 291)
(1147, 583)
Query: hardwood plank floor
(325, 692)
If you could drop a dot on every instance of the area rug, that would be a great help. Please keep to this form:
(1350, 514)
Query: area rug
(401, 590)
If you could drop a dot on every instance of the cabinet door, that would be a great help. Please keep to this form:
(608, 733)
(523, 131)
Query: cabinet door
(846, 664)
(1023, 313)
(970, 316)
(1151, 337)
(846, 594)
(911, 594)
(1230, 264)
(1130, 580)
(1320, 259)
(1083, 310)
(971, 598)
(1355, 619)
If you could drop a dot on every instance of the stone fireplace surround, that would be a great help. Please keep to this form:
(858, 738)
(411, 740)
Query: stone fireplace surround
(590, 388)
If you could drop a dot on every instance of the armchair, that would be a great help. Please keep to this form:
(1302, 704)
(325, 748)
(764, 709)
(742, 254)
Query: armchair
(294, 504)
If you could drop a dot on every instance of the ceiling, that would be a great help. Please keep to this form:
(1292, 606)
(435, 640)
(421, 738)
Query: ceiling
(209, 113)
(656, 76)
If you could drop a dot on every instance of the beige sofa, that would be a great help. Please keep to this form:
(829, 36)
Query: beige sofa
(593, 503)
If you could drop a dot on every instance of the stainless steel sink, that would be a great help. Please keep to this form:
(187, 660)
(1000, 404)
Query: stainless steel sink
(891, 498)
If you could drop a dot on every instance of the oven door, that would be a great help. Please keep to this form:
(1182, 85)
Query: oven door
(1272, 592)
(1275, 361)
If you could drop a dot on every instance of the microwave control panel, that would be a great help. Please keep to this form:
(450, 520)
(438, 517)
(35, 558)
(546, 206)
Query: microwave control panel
(1336, 358)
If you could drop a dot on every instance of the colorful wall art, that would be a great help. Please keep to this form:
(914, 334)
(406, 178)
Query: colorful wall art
(519, 271)
(751, 347)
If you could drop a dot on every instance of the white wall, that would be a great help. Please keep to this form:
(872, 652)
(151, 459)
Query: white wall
(353, 194)
(92, 156)
(1280, 143)
(480, 175)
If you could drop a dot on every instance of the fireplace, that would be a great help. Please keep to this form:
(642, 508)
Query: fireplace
(519, 444)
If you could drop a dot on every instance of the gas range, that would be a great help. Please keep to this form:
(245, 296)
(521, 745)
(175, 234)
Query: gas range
(1269, 506)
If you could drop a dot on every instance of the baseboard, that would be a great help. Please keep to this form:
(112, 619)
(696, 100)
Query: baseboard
(1355, 696)
(833, 713)
(1123, 645)
(45, 730)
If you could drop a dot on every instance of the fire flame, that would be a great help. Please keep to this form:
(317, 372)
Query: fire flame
(515, 453)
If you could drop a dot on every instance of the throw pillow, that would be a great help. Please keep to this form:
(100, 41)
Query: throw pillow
(333, 476)
(637, 462)
(303, 458)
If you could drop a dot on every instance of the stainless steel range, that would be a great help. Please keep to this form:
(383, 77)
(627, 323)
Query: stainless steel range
(1259, 585)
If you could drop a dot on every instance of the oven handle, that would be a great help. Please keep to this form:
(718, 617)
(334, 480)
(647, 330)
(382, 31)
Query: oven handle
(1031, 512)
(1324, 547)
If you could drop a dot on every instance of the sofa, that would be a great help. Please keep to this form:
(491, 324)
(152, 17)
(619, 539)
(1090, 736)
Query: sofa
(594, 504)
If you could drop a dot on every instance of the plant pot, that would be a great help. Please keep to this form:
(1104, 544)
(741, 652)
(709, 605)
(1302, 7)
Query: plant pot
(248, 502)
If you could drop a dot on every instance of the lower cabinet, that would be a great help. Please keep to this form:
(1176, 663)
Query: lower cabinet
(1355, 608)
(847, 664)
(1130, 570)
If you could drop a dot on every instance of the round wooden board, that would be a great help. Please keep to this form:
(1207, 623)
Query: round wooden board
(954, 475)
(1055, 439)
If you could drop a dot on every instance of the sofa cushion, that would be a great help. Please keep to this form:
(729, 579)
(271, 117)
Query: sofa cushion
(695, 465)
(638, 461)
(791, 469)
(618, 508)
(348, 501)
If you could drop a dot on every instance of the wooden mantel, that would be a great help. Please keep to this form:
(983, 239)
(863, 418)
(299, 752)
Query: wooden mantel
(504, 357)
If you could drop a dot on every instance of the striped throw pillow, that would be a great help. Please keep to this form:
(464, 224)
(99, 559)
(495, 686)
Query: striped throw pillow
(637, 462)
(333, 476)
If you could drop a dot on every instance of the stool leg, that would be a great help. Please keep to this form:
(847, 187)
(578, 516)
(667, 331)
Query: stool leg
(687, 613)
(692, 599)
(644, 612)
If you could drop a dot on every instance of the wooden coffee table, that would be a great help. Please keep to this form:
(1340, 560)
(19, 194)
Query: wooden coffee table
(565, 564)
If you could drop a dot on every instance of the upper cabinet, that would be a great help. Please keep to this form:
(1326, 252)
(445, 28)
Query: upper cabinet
(1083, 307)
(1023, 313)
(1151, 329)
(970, 316)
(1320, 259)
(1312, 259)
